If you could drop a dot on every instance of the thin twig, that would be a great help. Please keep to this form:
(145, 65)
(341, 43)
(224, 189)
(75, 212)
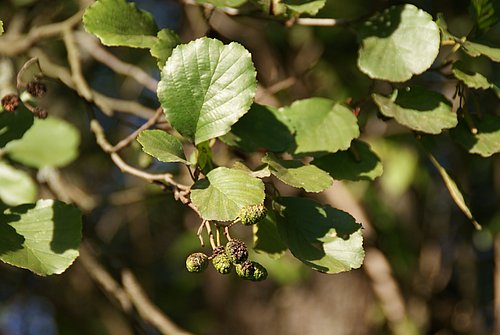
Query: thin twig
(75, 65)
(208, 226)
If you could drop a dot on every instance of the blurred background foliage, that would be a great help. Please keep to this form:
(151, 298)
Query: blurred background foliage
(443, 267)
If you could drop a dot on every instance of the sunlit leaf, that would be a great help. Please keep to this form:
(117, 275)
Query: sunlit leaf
(50, 142)
(1, 27)
(42, 237)
(223, 3)
(162, 146)
(320, 125)
(357, 163)
(297, 174)
(17, 187)
(224, 192)
(120, 23)
(471, 79)
(418, 109)
(486, 141)
(164, 45)
(324, 238)
(476, 49)
(299, 7)
(398, 43)
(206, 87)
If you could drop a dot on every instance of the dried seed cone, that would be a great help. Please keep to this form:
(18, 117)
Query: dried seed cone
(221, 262)
(250, 270)
(250, 215)
(36, 89)
(236, 251)
(196, 262)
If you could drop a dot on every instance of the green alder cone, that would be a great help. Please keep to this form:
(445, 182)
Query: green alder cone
(221, 262)
(250, 215)
(236, 251)
(250, 270)
(197, 262)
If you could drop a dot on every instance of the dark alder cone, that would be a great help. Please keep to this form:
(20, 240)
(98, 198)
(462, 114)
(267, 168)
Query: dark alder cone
(36, 89)
(236, 251)
(221, 262)
(250, 270)
(10, 102)
(40, 112)
(250, 215)
(196, 262)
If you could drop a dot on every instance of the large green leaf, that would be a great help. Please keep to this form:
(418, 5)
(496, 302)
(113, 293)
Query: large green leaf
(42, 237)
(486, 141)
(17, 187)
(266, 237)
(397, 43)
(14, 125)
(162, 146)
(357, 163)
(120, 23)
(260, 129)
(418, 109)
(164, 45)
(476, 49)
(320, 125)
(206, 87)
(224, 192)
(50, 142)
(297, 174)
(469, 78)
(326, 239)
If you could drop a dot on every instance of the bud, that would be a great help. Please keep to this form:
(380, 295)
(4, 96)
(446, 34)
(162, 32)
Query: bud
(36, 89)
(236, 251)
(250, 215)
(197, 262)
(40, 113)
(251, 271)
(10, 102)
(221, 262)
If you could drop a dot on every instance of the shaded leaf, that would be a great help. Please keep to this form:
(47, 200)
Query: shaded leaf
(45, 238)
(266, 237)
(357, 163)
(164, 45)
(50, 142)
(120, 23)
(476, 49)
(162, 146)
(418, 109)
(471, 79)
(485, 13)
(398, 43)
(222, 194)
(455, 192)
(297, 174)
(14, 125)
(446, 36)
(206, 87)
(485, 142)
(17, 187)
(259, 129)
(322, 237)
(320, 125)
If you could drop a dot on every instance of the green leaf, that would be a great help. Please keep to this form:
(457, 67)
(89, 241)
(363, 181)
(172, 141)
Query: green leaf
(485, 13)
(14, 125)
(120, 23)
(50, 142)
(266, 237)
(164, 45)
(296, 174)
(324, 238)
(397, 43)
(471, 79)
(17, 186)
(320, 125)
(455, 192)
(162, 146)
(206, 87)
(1, 27)
(446, 36)
(418, 109)
(45, 236)
(299, 7)
(485, 142)
(222, 194)
(223, 3)
(357, 163)
(259, 129)
(476, 49)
